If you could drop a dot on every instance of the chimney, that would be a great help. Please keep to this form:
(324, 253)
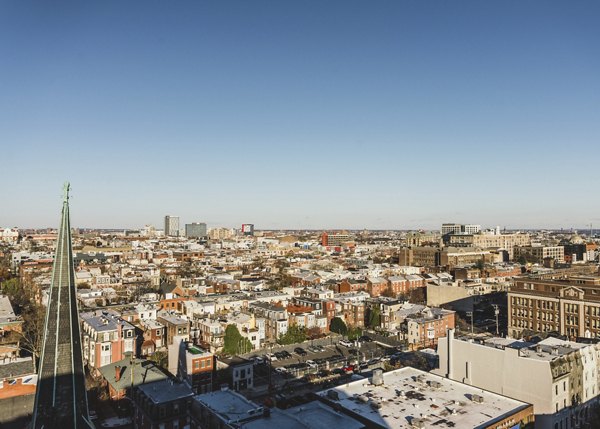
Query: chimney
(117, 373)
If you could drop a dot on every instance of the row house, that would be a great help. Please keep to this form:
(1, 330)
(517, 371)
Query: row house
(209, 333)
(106, 337)
(376, 286)
(352, 312)
(162, 404)
(427, 326)
(351, 285)
(246, 324)
(192, 364)
(305, 279)
(153, 334)
(275, 319)
(174, 326)
(300, 316)
(317, 293)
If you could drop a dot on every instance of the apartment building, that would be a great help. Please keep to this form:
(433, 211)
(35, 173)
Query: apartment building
(334, 239)
(486, 240)
(106, 338)
(560, 378)
(538, 254)
(568, 306)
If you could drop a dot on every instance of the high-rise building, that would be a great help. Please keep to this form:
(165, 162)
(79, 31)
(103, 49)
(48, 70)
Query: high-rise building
(60, 398)
(195, 230)
(334, 239)
(248, 229)
(172, 226)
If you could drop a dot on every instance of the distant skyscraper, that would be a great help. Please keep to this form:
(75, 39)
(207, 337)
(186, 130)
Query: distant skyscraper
(172, 226)
(248, 229)
(60, 397)
(195, 230)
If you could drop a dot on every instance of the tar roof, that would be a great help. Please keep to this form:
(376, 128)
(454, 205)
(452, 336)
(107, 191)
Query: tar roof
(166, 391)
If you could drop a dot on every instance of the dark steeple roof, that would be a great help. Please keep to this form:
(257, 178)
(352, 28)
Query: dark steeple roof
(60, 398)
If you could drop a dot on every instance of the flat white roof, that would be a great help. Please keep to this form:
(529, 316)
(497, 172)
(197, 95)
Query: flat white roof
(409, 393)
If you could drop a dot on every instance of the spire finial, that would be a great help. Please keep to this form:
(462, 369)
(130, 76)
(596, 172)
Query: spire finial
(66, 188)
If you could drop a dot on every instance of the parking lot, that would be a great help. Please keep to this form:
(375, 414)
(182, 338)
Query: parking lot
(315, 363)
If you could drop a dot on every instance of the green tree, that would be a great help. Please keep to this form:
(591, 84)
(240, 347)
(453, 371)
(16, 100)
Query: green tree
(338, 326)
(374, 318)
(354, 333)
(294, 334)
(234, 342)
(160, 358)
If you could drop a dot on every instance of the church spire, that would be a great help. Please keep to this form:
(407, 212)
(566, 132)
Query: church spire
(60, 397)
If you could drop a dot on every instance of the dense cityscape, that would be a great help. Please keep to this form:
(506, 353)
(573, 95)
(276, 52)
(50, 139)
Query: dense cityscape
(277, 214)
(189, 326)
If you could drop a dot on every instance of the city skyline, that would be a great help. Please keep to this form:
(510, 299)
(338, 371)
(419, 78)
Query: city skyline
(315, 116)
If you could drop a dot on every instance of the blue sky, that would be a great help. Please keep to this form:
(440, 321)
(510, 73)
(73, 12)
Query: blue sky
(312, 114)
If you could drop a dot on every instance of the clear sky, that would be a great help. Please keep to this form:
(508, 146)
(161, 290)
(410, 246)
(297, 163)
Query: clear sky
(305, 114)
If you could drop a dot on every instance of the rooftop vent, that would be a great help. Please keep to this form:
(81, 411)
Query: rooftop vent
(376, 405)
(477, 398)
(417, 423)
(333, 394)
(377, 379)
(434, 384)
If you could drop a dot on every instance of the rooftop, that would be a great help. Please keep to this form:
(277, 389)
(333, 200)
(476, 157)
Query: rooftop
(167, 390)
(6, 311)
(407, 394)
(144, 371)
(105, 320)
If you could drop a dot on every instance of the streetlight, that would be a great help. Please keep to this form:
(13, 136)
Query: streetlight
(470, 314)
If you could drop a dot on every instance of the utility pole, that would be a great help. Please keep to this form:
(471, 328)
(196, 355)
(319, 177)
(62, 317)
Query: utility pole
(496, 313)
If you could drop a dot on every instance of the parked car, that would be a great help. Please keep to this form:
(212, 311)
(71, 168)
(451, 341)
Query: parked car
(300, 351)
(346, 343)
(365, 339)
(311, 363)
(271, 357)
(348, 369)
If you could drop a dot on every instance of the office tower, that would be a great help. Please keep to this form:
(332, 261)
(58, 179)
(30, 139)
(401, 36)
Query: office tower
(248, 229)
(195, 230)
(172, 226)
(60, 397)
